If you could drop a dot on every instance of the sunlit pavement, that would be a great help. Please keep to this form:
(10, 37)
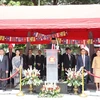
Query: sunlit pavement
(11, 95)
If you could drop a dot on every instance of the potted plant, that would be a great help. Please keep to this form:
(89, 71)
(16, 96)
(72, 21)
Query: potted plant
(50, 90)
(74, 78)
(31, 77)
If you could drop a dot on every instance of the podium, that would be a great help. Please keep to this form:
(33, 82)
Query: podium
(51, 65)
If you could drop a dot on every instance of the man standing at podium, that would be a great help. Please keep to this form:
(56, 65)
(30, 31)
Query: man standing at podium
(53, 44)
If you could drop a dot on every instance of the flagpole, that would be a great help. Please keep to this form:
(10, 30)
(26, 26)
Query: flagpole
(57, 44)
(38, 2)
(20, 92)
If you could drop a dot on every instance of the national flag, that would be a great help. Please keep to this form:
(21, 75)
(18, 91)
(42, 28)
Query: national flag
(20, 39)
(84, 43)
(28, 39)
(57, 35)
(64, 41)
(2, 38)
(7, 38)
(24, 39)
(35, 34)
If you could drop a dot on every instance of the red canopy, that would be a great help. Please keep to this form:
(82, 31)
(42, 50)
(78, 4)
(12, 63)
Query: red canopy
(76, 20)
(76, 28)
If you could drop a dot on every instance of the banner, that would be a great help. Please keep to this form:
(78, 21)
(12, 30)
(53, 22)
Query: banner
(41, 37)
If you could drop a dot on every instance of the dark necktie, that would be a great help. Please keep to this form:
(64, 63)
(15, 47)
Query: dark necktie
(10, 55)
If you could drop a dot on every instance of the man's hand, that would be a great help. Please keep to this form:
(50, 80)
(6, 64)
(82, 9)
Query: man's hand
(65, 69)
(38, 64)
(58, 66)
(17, 69)
(6, 72)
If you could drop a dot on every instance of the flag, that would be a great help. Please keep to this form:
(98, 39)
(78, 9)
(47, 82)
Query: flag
(57, 35)
(2, 38)
(24, 39)
(84, 43)
(35, 34)
(20, 39)
(7, 38)
(28, 39)
(64, 41)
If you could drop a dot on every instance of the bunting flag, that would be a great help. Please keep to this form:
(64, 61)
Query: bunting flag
(2, 38)
(35, 34)
(40, 37)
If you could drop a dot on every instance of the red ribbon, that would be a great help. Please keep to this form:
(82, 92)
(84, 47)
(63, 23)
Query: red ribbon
(92, 74)
(9, 77)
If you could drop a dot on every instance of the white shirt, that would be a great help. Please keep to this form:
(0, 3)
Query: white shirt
(53, 46)
(83, 58)
(1, 57)
(69, 56)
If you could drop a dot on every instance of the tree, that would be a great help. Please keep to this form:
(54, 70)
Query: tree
(47, 2)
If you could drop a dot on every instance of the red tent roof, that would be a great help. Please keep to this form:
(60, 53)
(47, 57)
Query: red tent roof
(77, 20)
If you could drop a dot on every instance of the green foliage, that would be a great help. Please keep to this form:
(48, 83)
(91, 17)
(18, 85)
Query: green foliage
(13, 3)
(2, 2)
(50, 90)
(20, 46)
(75, 48)
(47, 2)
(18, 2)
(31, 77)
(5, 46)
(82, 1)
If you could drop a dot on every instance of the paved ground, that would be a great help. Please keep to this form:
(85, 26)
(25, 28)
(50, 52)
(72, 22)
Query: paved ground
(11, 94)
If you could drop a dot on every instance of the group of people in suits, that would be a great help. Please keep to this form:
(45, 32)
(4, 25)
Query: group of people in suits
(68, 60)
(10, 63)
(10, 60)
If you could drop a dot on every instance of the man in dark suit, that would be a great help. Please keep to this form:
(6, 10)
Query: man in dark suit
(53, 44)
(10, 55)
(24, 59)
(44, 69)
(3, 68)
(30, 59)
(40, 63)
(69, 61)
(83, 60)
(59, 64)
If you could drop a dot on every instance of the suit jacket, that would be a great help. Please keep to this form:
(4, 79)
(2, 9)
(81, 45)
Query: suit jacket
(10, 59)
(69, 63)
(49, 46)
(24, 61)
(60, 59)
(60, 62)
(30, 61)
(80, 62)
(4, 63)
(39, 59)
